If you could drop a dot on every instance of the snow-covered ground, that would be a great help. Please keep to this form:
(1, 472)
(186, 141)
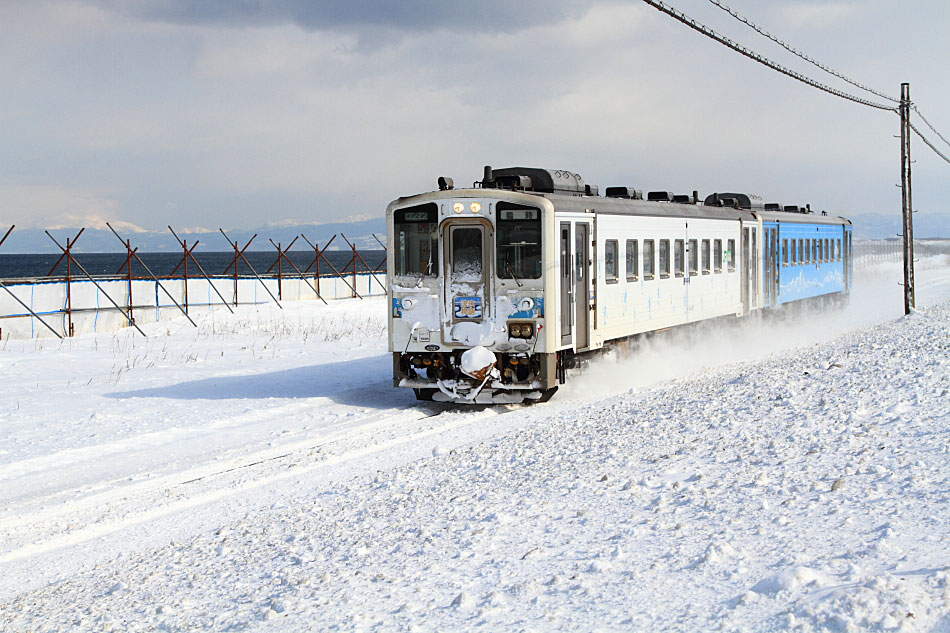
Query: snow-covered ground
(260, 473)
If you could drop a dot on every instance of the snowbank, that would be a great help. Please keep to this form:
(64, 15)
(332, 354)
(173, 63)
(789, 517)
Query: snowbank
(236, 479)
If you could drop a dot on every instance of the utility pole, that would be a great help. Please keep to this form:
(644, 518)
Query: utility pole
(907, 207)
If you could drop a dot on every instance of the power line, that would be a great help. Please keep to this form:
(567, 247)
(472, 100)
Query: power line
(722, 39)
(798, 53)
(922, 118)
(929, 144)
(725, 41)
(818, 64)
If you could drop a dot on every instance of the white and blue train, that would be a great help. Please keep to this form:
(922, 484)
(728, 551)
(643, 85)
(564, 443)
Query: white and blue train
(498, 289)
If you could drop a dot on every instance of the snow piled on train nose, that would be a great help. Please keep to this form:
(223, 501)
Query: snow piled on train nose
(473, 333)
(478, 362)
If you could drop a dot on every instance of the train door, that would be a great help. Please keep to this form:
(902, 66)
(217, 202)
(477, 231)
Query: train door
(582, 282)
(771, 271)
(754, 260)
(846, 258)
(744, 274)
(684, 268)
(567, 287)
(467, 272)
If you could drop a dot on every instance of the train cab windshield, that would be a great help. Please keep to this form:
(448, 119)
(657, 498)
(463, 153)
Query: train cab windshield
(416, 232)
(518, 246)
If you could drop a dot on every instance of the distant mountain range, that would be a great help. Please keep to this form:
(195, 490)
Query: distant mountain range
(876, 226)
(99, 239)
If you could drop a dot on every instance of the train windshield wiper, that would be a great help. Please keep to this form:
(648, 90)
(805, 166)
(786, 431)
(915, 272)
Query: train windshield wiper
(427, 272)
(513, 275)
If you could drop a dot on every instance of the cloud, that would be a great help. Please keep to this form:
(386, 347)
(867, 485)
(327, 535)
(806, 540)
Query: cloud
(419, 15)
(186, 114)
(818, 15)
(50, 206)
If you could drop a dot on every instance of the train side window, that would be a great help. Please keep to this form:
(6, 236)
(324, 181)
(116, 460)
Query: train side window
(706, 257)
(611, 265)
(633, 260)
(732, 256)
(693, 257)
(801, 252)
(717, 256)
(838, 250)
(793, 255)
(679, 264)
(827, 249)
(648, 259)
(820, 256)
(565, 254)
(664, 259)
(785, 252)
(814, 251)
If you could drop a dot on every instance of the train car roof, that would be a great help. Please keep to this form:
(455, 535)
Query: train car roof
(566, 203)
(623, 206)
(801, 218)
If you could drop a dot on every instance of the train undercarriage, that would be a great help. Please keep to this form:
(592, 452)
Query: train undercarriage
(512, 378)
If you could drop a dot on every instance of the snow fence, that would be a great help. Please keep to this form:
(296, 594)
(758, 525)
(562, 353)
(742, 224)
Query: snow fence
(84, 307)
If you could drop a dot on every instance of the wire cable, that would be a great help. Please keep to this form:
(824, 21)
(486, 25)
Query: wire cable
(922, 118)
(929, 144)
(722, 39)
(798, 53)
(794, 51)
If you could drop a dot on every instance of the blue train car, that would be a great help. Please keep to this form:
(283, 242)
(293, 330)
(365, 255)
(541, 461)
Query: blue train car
(804, 256)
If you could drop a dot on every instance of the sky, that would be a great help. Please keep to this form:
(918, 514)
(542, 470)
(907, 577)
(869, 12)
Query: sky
(243, 113)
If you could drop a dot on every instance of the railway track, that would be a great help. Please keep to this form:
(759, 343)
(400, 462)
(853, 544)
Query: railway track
(51, 523)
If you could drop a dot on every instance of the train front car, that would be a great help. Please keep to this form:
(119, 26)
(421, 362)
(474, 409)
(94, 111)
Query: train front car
(467, 282)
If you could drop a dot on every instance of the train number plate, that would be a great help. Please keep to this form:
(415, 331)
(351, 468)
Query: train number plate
(468, 307)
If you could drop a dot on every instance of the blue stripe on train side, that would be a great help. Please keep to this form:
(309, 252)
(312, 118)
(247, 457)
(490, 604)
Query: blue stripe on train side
(798, 280)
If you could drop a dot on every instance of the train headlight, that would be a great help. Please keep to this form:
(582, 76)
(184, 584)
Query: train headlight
(520, 330)
(475, 207)
(458, 207)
